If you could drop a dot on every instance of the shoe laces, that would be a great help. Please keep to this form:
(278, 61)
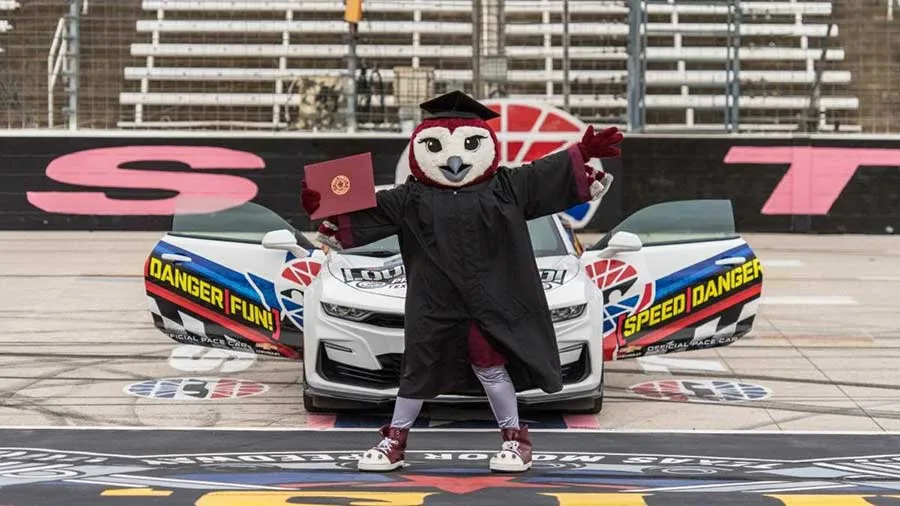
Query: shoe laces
(386, 444)
(511, 446)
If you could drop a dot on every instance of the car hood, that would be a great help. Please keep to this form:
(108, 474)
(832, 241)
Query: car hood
(386, 276)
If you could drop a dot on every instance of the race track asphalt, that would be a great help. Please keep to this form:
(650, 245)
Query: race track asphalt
(823, 356)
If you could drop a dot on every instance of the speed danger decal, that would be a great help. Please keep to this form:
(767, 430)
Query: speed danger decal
(692, 304)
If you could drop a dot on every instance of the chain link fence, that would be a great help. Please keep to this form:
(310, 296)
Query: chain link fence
(814, 65)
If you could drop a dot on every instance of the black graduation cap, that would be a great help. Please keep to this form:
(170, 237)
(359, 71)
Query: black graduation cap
(457, 104)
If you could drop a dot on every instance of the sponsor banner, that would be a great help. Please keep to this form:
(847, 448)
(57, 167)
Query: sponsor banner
(777, 184)
(195, 389)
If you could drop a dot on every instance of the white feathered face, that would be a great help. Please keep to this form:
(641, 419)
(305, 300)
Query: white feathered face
(454, 158)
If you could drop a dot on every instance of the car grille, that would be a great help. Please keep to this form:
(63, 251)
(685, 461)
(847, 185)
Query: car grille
(578, 370)
(389, 320)
(391, 366)
(386, 377)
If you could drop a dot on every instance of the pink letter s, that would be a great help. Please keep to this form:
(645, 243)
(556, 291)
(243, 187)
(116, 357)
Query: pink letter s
(197, 193)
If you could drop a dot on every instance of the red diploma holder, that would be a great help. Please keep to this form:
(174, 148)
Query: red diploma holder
(345, 185)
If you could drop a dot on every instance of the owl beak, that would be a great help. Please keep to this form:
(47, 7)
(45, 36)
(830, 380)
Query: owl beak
(454, 162)
(455, 170)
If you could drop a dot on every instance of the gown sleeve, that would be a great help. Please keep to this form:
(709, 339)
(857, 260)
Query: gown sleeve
(369, 225)
(551, 184)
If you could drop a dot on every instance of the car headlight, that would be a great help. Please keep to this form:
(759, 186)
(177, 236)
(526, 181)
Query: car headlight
(567, 313)
(345, 312)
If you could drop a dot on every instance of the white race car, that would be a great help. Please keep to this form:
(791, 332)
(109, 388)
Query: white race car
(672, 277)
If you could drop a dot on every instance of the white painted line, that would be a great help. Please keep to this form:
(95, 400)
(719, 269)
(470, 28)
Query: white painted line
(809, 300)
(107, 483)
(165, 481)
(706, 487)
(782, 262)
(879, 278)
(662, 364)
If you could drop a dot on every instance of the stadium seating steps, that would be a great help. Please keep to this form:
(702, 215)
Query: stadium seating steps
(247, 63)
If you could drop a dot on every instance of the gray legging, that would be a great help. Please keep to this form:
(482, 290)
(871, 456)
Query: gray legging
(497, 385)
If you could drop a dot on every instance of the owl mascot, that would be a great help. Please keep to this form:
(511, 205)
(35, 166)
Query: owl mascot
(476, 314)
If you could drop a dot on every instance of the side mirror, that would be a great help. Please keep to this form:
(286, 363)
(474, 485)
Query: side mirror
(624, 241)
(283, 239)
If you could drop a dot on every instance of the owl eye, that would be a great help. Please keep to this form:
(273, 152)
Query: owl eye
(432, 144)
(473, 142)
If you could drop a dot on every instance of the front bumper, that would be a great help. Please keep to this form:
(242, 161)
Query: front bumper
(362, 361)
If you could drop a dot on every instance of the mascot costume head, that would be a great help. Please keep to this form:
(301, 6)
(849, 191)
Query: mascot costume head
(454, 146)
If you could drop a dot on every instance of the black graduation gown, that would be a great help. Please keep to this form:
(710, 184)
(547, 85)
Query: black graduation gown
(468, 256)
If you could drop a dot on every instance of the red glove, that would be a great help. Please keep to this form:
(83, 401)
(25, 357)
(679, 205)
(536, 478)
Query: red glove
(309, 198)
(601, 145)
(600, 182)
(327, 232)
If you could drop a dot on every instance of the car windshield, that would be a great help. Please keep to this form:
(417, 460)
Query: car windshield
(545, 239)
(246, 223)
(680, 221)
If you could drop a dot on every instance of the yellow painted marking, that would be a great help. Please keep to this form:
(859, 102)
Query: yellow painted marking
(822, 500)
(136, 492)
(566, 499)
(251, 498)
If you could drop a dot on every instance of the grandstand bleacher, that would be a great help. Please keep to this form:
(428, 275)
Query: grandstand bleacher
(243, 59)
(5, 25)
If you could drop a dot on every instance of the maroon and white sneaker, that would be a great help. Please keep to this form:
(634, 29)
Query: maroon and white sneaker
(515, 454)
(388, 454)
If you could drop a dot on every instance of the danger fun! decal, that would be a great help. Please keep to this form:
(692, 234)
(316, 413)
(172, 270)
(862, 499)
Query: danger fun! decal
(168, 280)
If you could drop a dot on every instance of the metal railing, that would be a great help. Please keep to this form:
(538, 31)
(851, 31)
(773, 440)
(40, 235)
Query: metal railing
(57, 61)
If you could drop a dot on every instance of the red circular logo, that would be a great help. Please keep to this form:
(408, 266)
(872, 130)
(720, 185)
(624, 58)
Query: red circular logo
(302, 272)
(610, 273)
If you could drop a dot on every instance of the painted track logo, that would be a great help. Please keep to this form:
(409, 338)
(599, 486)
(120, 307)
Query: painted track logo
(528, 131)
(195, 389)
(48, 476)
(720, 391)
